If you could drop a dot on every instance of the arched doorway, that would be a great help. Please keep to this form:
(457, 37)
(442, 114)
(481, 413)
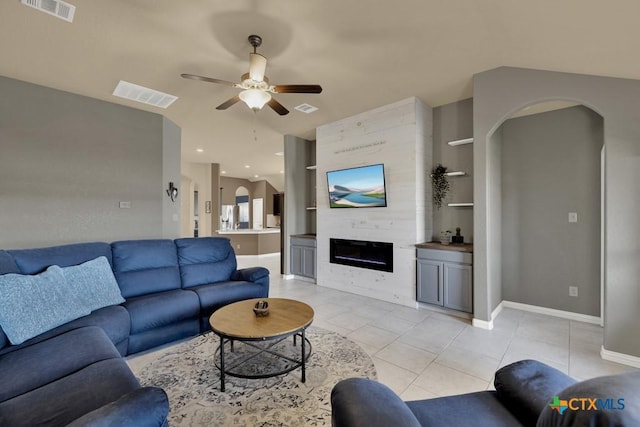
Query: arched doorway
(547, 170)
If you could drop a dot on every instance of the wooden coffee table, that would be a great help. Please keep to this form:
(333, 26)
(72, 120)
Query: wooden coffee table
(237, 322)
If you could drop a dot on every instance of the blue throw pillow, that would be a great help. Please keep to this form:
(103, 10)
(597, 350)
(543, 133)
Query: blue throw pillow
(31, 305)
(94, 283)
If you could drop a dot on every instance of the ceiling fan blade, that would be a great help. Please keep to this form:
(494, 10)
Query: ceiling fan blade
(207, 79)
(228, 103)
(257, 66)
(277, 107)
(297, 88)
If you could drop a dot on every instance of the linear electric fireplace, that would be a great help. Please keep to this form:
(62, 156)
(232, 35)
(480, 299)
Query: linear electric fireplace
(360, 253)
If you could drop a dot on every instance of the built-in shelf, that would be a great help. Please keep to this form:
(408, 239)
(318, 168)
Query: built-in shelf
(312, 167)
(311, 208)
(456, 173)
(460, 142)
(460, 205)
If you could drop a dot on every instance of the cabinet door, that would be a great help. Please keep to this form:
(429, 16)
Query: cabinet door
(297, 260)
(309, 262)
(458, 289)
(429, 281)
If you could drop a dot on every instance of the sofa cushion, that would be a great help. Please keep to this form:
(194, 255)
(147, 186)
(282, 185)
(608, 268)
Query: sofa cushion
(482, 408)
(160, 309)
(205, 260)
(94, 283)
(216, 295)
(144, 407)
(144, 267)
(32, 261)
(604, 401)
(113, 320)
(33, 366)
(31, 305)
(360, 402)
(7, 264)
(60, 402)
(526, 386)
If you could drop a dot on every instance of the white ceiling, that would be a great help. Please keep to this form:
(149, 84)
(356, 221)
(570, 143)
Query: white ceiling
(365, 54)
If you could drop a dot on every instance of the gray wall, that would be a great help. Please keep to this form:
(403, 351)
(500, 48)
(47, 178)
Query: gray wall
(550, 167)
(171, 164)
(498, 94)
(451, 122)
(66, 161)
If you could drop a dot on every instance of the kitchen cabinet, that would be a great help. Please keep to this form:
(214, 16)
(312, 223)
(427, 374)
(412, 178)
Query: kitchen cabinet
(445, 278)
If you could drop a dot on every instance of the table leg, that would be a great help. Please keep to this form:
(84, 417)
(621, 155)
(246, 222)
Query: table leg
(302, 345)
(222, 364)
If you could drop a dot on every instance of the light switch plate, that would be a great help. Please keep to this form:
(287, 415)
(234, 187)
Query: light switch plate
(125, 205)
(573, 216)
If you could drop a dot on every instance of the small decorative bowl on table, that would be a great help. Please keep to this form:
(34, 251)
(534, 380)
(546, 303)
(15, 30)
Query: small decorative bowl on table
(261, 309)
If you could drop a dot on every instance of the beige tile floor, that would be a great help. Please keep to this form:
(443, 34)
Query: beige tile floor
(421, 353)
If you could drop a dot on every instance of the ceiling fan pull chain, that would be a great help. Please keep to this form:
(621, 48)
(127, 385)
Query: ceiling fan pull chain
(255, 133)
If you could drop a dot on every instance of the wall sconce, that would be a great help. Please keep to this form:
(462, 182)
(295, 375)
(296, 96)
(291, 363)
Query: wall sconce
(172, 192)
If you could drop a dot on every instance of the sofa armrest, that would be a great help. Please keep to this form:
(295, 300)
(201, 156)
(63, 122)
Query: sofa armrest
(525, 387)
(251, 274)
(144, 407)
(360, 402)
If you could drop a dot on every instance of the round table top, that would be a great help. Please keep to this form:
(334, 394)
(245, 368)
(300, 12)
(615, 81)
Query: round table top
(238, 320)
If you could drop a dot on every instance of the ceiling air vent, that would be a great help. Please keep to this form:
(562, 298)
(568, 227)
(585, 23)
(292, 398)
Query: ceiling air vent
(306, 108)
(143, 94)
(57, 8)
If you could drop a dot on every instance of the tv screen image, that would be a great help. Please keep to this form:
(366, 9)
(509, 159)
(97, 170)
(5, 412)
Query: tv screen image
(360, 187)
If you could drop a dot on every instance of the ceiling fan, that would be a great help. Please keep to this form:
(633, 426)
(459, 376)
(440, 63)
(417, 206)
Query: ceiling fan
(256, 90)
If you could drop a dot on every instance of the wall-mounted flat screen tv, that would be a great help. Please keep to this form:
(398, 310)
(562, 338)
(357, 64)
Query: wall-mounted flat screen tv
(360, 187)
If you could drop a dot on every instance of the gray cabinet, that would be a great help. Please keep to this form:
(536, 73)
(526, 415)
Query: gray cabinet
(445, 278)
(303, 257)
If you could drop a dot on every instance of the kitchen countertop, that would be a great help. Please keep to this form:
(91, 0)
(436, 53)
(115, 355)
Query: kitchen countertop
(249, 231)
(465, 247)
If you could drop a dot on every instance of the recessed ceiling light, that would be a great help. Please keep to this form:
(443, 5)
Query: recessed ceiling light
(199, 150)
(256, 176)
(247, 166)
(281, 171)
(306, 108)
(223, 172)
(280, 153)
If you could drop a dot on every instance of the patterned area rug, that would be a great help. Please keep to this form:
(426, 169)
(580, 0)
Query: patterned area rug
(192, 381)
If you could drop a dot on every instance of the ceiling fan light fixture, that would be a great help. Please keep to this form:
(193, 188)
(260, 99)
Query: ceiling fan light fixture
(254, 98)
(257, 66)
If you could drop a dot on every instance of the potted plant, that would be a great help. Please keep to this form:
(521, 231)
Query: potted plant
(440, 184)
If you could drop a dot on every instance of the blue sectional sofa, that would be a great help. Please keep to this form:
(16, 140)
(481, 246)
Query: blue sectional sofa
(527, 393)
(74, 373)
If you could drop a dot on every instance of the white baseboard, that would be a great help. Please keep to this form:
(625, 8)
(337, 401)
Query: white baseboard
(302, 278)
(552, 312)
(483, 324)
(622, 358)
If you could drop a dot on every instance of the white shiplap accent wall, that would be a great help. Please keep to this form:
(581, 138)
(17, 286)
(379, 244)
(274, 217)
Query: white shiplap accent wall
(398, 135)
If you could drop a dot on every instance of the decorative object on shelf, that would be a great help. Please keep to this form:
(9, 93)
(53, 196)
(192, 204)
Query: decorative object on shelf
(172, 192)
(445, 237)
(457, 239)
(440, 184)
(261, 309)
(207, 206)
